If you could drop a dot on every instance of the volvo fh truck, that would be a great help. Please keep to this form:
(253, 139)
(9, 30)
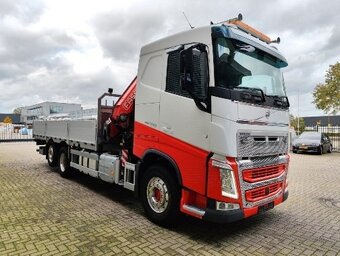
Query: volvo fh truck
(202, 130)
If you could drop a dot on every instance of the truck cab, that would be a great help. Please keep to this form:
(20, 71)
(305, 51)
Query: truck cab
(211, 103)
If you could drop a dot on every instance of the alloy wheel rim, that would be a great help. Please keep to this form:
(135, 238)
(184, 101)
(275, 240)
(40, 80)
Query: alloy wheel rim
(157, 195)
(50, 154)
(62, 162)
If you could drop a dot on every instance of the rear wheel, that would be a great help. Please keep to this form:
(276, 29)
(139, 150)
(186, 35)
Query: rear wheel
(64, 163)
(52, 154)
(160, 195)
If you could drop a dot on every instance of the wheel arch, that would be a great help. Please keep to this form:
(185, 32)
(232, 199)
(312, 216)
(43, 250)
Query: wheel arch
(153, 156)
(59, 144)
(63, 144)
(49, 141)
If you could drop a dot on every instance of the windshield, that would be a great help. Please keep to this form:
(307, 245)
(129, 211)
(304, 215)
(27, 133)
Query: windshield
(241, 65)
(310, 136)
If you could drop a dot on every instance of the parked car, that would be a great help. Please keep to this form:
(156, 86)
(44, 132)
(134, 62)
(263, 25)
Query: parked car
(292, 137)
(313, 142)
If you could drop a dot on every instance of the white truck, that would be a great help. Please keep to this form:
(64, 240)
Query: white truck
(203, 129)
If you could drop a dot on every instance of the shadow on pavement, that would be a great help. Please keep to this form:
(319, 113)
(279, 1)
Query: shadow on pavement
(206, 232)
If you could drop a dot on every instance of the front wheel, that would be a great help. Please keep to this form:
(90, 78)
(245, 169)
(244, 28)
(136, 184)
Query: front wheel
(160, 195)
(320, 150)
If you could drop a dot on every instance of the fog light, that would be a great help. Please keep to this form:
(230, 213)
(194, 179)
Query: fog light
(222, 206)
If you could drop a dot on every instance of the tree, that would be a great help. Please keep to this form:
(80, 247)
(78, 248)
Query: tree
(17, 111)
(297, 123)
(327, 96)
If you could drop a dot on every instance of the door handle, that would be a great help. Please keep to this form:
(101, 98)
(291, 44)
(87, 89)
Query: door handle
(167, 129)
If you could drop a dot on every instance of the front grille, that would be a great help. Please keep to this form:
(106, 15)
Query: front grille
(256, 188)
(261, 193)
(258, 145)
(264, 173)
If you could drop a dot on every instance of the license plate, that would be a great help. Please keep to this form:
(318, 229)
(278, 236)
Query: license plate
(303, 147)
(266, 207)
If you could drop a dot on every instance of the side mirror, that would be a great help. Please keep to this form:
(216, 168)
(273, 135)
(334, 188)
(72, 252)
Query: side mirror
(186, 67)
(195, 73)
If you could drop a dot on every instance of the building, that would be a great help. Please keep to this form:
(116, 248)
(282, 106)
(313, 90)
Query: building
(10, 118)
(45, 109)
(311, 121)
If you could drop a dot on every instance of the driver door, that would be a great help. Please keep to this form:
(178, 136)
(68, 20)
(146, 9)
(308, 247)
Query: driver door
(180, 116)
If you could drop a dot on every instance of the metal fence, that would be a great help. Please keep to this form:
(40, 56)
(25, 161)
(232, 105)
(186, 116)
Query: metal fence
(333, 133)
(19, 132)
(15, 132)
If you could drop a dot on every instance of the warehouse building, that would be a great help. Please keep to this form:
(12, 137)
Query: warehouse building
(45, 109)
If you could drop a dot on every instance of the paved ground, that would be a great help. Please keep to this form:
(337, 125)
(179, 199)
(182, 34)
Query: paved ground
(44, 214)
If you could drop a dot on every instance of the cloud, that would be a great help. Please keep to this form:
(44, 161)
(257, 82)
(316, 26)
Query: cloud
(26, 11)
(24, 46)
(61, 84)
(74, 51)
(36, 62)
(121, 33)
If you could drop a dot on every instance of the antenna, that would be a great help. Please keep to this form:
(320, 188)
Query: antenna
(278, 40)
(188, 21)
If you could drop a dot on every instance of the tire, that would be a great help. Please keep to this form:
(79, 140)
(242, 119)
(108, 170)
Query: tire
(294, 151)
(160, 194)
(65, 170)
(320, 150)
(52, 154)
(330, 149)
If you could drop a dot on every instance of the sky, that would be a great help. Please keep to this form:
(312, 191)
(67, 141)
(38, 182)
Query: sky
(73, 50)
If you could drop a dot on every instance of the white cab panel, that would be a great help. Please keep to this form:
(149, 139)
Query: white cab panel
(240, 111)
(268, 116)
(148, 114)
(150, 80)
(150, 71)
(180, 118)
(224, 108)
(230, 118)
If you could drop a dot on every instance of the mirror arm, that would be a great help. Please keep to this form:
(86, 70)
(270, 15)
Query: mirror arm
(198, 103)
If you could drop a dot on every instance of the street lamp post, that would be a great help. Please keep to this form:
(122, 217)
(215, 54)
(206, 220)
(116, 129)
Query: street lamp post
(298, 124)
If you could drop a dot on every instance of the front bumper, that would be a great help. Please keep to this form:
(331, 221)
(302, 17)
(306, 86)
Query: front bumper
(218, 216)
(309, 149)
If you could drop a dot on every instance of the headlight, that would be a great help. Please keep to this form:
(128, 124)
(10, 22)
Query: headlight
(286, 186)
(228, 184)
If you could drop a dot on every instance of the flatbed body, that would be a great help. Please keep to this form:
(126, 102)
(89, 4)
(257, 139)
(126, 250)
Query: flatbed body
(80, 133)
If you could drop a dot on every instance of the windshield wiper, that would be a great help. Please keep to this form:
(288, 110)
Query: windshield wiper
(280, 101)
(255, 94)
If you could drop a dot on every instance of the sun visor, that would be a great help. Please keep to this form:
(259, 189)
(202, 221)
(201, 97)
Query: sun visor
(232, 31)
